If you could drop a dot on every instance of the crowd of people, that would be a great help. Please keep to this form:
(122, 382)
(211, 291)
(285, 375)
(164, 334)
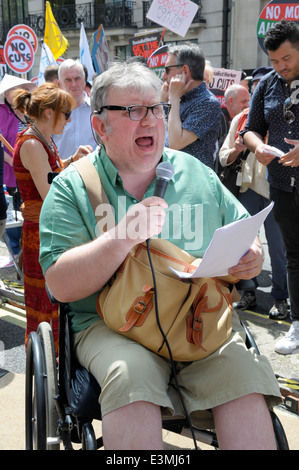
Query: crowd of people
(125, 128)
(254, 195)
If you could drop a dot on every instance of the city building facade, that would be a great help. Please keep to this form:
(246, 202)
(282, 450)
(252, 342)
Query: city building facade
(225, 29)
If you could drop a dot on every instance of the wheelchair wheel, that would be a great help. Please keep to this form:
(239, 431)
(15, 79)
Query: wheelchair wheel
(280, 436)
(41, 388)
(88, 437)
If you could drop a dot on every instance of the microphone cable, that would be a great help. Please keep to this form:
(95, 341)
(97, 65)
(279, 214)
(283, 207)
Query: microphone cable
(168, 347)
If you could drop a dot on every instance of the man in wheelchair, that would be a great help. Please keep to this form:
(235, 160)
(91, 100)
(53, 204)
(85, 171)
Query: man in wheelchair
(232, 386)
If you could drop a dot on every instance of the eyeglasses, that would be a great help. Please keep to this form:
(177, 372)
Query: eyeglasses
(170, 66)
(138, 112)
(67, 115)
(287, 114)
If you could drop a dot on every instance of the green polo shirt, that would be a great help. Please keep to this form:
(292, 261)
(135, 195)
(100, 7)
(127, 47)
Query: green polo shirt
(198, 204)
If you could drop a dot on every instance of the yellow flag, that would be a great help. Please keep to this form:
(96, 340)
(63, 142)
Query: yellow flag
(53, 36)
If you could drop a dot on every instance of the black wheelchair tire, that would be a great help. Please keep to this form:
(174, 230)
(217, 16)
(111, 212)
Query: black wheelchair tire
(51, 384)
(88, 437)
(41, 387)
(280, 436)
(35, 421)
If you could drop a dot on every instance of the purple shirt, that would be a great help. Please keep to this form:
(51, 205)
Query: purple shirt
(9, 129)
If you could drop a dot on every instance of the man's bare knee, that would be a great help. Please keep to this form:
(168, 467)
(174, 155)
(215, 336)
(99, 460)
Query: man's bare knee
(244, 423)
(134, 426)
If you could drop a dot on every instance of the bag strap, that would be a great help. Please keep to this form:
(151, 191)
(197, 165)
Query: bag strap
(241, 125)
(92, 183)
(242, 121)
(243, 155)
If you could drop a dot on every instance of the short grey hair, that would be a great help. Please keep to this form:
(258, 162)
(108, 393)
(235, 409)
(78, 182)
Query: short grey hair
(192, 55)
(123, 76)
(68, 64)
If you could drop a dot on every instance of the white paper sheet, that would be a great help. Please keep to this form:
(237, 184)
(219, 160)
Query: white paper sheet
(275, 151)
(228, 245)
(175, 16)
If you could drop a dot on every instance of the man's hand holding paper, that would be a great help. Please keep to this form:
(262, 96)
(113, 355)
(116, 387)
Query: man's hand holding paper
(250, 265)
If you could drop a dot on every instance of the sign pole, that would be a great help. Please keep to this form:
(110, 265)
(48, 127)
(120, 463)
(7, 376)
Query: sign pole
(161, 39)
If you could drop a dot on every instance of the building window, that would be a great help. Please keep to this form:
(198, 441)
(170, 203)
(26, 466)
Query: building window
(61, 3)
(122, 52)
(14, 12)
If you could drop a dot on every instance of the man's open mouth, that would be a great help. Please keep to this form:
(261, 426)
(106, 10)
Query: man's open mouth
(145, 141)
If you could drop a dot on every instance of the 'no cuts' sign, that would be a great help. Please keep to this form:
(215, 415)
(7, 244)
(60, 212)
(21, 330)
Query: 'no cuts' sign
(26, 32)
(19, 54)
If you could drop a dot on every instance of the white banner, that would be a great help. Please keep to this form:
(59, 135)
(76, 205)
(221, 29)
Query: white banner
(85, 57)
(175, 16)
(46, 59)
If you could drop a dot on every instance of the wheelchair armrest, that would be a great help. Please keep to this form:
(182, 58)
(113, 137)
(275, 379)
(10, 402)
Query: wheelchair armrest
(51, 297)
(83, 394)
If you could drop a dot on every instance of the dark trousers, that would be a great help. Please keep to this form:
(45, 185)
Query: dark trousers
(14, 234)
(254, 203)
(286, 213)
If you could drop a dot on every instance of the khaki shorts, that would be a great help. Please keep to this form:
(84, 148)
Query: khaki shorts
(128, 372)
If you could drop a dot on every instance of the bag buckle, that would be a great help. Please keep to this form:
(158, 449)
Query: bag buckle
(141, 304)
(193, 324)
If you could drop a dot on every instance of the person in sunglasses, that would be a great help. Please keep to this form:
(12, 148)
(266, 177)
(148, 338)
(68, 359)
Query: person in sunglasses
(275, 112)
(136, 384)
(35, 155)
(194, 121)
(78, 131)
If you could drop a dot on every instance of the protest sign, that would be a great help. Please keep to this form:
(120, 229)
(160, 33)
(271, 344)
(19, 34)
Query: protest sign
(275, 11)
(222, 79)
(99, 50)
(3, 67)
(19, 54)
(175, 15)
(158, 59)
(26, 32)
(145, 44)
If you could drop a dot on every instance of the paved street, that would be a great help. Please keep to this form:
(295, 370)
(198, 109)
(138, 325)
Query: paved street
(12, 364)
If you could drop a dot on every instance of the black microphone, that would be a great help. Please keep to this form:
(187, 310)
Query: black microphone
(164, 173)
